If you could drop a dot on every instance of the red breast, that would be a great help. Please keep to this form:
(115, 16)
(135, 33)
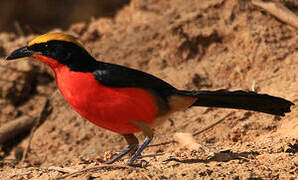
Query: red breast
(111, 108)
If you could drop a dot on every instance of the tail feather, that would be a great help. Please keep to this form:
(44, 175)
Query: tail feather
(240, 100)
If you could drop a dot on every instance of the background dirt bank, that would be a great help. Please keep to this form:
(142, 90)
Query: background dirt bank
(190, 44)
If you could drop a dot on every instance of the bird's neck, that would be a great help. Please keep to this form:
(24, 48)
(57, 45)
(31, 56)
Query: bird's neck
(86, 64)
(52, 63)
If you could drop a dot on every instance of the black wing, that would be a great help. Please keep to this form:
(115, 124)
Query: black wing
(120, 76)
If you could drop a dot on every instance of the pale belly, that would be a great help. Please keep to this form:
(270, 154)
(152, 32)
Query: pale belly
(111, 108)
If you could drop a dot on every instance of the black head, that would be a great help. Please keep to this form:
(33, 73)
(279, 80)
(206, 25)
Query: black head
(59, 47)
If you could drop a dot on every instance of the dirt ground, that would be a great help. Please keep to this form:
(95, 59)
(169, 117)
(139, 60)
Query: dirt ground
(193, 45)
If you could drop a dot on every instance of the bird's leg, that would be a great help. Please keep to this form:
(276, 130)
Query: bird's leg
(132, 142)
(149, 136)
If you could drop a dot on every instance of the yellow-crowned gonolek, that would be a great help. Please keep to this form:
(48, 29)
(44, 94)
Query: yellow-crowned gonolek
(125, 100)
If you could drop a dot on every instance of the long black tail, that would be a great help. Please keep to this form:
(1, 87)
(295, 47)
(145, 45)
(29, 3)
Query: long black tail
(240, 100)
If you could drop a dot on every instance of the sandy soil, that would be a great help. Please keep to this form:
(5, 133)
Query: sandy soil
(191, 44)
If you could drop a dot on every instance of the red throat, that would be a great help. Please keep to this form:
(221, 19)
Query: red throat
(52, 63)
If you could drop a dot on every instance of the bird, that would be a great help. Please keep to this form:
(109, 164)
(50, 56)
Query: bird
(125, 100)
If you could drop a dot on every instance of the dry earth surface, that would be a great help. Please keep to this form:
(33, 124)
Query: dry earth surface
(207, 45)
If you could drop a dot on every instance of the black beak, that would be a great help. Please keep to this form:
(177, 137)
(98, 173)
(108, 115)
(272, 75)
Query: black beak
(20, 53)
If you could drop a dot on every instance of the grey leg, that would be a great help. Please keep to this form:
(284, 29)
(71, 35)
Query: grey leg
(138, 152)
(149, 136)
(133, 143)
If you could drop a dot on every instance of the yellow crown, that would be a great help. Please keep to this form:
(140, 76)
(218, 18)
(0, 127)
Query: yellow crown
(55, 36)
